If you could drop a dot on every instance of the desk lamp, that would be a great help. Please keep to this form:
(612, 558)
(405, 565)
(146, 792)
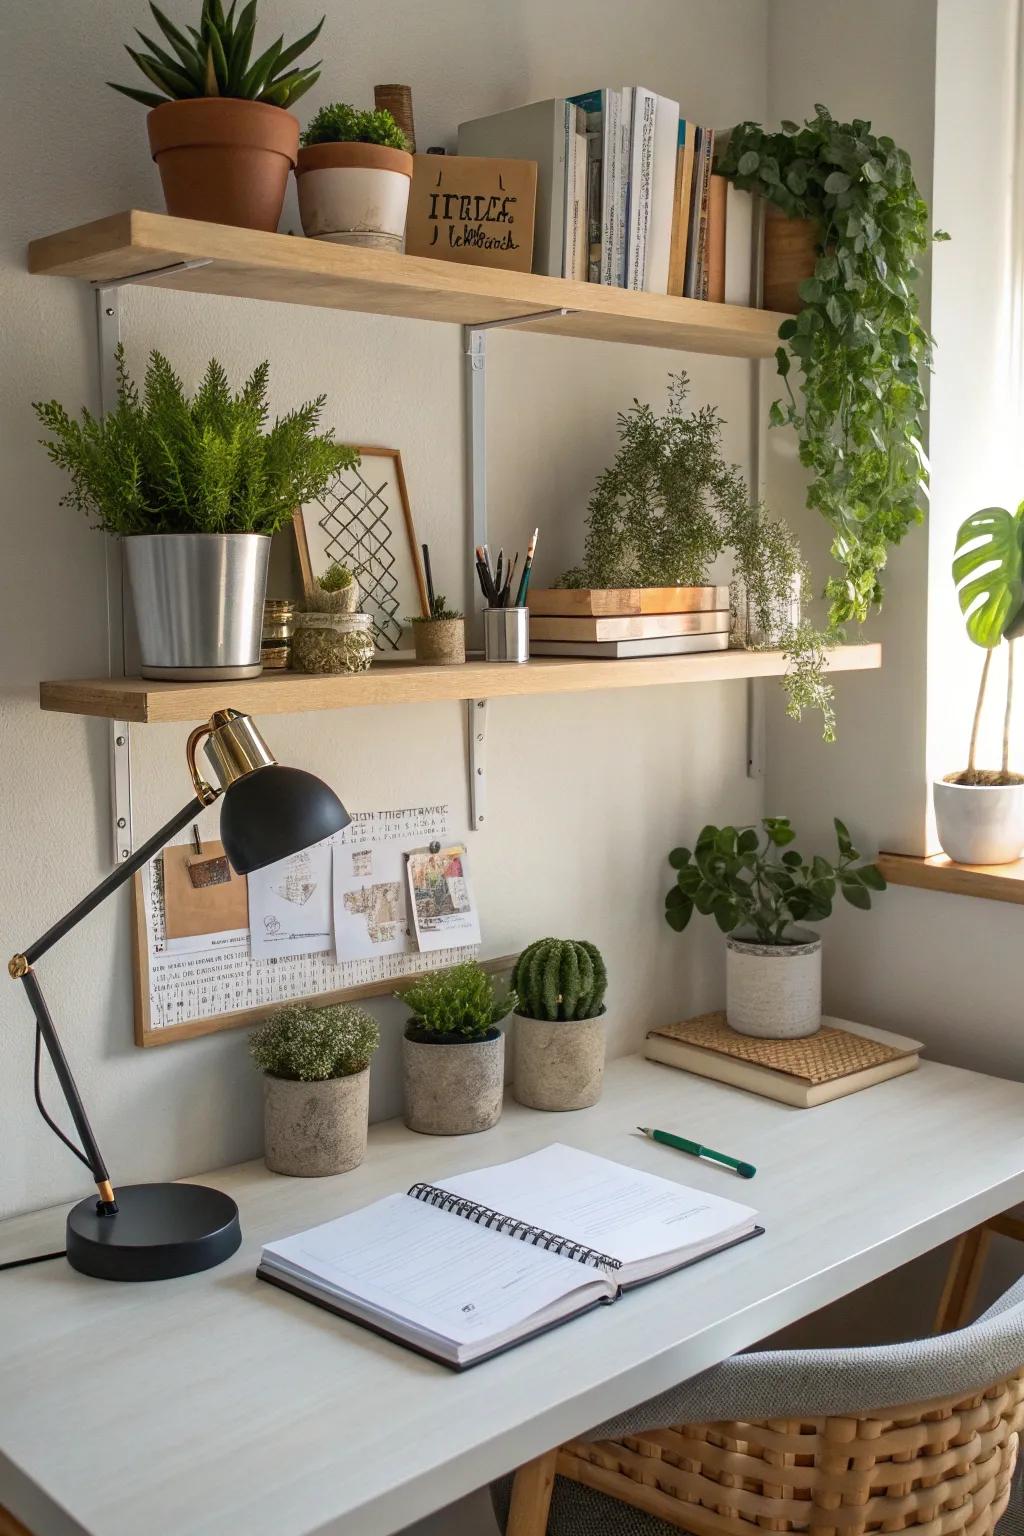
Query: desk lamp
(158, 1231)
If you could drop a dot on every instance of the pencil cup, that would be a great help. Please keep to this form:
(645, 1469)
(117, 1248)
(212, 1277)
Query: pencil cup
(506, 634)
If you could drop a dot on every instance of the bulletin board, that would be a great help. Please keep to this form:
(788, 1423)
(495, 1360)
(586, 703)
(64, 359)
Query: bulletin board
(180, 995)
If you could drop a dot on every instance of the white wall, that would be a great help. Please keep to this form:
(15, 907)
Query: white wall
(586, 793)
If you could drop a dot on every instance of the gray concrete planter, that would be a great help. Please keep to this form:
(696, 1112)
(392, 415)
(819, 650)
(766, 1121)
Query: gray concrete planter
(314, 1129)
(558, 1064)
(773, 991)
(453, 1087)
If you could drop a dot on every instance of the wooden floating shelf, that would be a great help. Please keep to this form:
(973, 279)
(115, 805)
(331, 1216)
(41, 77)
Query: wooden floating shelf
(276, 693)
(995, 882)
(246, 263)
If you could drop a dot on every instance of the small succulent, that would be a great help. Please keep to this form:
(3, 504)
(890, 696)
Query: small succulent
(461, 1001)
(310, 1045)
(339, 123)
(439, 609)
(560, 979)
(335, 578)
(217, 60)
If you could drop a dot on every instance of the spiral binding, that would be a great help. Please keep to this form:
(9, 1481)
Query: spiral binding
(539, 1237)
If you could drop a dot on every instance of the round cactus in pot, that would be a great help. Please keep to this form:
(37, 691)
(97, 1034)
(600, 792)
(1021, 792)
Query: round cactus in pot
(559, 1037)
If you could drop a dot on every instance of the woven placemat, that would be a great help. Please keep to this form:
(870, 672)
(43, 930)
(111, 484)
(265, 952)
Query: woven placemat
(819, 1058)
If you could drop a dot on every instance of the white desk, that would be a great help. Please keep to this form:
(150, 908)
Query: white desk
(218, 1406)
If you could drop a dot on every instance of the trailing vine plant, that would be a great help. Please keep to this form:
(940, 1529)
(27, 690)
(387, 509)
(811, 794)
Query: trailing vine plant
(859, 340)
(669, 505)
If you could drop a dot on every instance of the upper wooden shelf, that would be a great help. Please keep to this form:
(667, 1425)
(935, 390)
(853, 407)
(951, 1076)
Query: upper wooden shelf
(246, 263)
(996, 882)
(276, 693)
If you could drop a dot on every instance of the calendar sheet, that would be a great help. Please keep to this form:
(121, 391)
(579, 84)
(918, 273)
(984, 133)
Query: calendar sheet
(220, 977)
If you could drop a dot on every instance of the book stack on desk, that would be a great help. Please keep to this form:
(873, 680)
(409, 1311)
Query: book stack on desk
(617, 622)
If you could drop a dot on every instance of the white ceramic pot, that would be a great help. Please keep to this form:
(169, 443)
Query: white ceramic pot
(354, 194)
(773, 991)
(558, 1064)
(980, 823)
(315, 1129)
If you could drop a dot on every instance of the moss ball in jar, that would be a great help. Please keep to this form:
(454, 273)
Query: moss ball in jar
(332, 642)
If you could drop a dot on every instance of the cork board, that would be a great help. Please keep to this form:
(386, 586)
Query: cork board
(472, 209)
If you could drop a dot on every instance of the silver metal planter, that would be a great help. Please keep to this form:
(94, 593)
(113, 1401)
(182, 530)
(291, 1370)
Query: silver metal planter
(198, 600)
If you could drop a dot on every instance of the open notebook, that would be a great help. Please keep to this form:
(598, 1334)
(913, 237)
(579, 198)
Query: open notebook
(464, 1271)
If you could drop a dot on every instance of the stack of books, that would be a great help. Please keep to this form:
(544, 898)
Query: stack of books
(619, 622)
(626, 193)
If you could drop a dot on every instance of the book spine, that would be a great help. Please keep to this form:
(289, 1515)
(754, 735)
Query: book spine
(622, 201)
(641, 168)
(611, 188)
(539, 1237)
(580, 215)
(716, 240)
(705, 210)
(595, 204)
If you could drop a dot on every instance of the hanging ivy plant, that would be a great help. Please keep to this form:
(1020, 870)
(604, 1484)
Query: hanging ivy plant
(858, 340)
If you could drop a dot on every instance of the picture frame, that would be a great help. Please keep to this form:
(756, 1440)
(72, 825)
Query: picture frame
(365, 520)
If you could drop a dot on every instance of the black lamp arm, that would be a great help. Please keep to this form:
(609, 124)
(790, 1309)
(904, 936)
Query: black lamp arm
(20, 968)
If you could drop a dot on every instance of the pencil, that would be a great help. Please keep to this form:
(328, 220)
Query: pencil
(524, 580)
(430, 579)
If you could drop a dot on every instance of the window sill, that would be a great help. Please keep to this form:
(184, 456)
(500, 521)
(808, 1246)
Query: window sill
(994, 882)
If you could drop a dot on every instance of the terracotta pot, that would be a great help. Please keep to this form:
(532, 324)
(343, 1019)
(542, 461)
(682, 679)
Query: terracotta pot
(354, 194)
(224, 160)
(790, 254)
(441, 641)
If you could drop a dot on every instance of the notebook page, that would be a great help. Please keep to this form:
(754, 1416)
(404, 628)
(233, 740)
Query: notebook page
(448, 1277)
(621, 1211)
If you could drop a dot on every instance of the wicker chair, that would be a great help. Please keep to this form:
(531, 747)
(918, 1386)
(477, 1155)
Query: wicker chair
(800, 1441)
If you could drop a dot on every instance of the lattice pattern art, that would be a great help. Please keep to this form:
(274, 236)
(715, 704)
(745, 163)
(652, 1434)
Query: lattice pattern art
(357, 523)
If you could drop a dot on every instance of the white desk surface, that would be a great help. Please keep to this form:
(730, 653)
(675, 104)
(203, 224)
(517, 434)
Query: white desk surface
(216, 1405)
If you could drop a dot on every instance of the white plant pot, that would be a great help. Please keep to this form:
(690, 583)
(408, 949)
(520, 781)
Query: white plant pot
(354, 194)
(773, 991)
(980, 823)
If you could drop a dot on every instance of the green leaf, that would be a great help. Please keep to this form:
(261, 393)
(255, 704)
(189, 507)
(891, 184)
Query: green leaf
(147, 98)
(779, 830)
(837, 182)
(988, 568)
(792, 859)
(748, 840)
(678, 917)
(677, 898)
(748, 163)
(725, 914)
(786, 330)
(679, 857)
(857, 896)
(291, 53)
(872, 877)
(782, 361)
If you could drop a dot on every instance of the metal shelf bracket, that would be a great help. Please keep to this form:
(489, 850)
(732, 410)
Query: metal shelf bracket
(476, 719)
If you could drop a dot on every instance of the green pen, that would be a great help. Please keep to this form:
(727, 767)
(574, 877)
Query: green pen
(694, 1148)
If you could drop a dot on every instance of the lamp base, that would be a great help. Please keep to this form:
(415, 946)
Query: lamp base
(160, 1231)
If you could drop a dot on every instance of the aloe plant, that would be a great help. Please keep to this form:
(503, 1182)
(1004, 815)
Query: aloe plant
(216, 60)
(988, 568)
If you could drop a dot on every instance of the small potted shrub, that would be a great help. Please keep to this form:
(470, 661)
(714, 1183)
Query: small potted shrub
(979, 812)
(758, 896)
(441, 639)
(316, 1087)
(336, 591)
(219, 133)
(558, 1042)
(354, 173)
(195, 488)
(453, 1054)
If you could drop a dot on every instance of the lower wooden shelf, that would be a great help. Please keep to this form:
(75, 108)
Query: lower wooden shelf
(139, 700)
(995, 882)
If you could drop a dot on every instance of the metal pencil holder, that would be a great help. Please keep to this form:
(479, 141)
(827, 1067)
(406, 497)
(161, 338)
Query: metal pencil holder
(506, 634)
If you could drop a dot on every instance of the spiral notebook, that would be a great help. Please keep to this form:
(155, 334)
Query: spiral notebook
(463, 1271)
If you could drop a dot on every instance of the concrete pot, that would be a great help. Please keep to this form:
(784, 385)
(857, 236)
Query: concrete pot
(453, 1087)
(773, 991)
(313, 1129)
(223, 159)
(558, 1064)
(980, 823)
(441, 641)
(198, 600)
(354, 194)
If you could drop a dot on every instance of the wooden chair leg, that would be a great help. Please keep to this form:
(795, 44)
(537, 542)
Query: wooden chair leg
(962, 1279)
(531, 1496)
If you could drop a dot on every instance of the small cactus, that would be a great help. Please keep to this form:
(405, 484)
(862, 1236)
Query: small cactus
(560, 979)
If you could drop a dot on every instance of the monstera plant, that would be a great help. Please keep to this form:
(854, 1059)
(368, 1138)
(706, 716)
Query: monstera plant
(980, 811)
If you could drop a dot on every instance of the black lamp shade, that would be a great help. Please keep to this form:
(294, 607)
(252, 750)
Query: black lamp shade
(276, 811)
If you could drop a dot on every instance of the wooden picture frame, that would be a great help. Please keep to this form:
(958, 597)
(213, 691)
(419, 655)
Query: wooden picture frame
(313, 540)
